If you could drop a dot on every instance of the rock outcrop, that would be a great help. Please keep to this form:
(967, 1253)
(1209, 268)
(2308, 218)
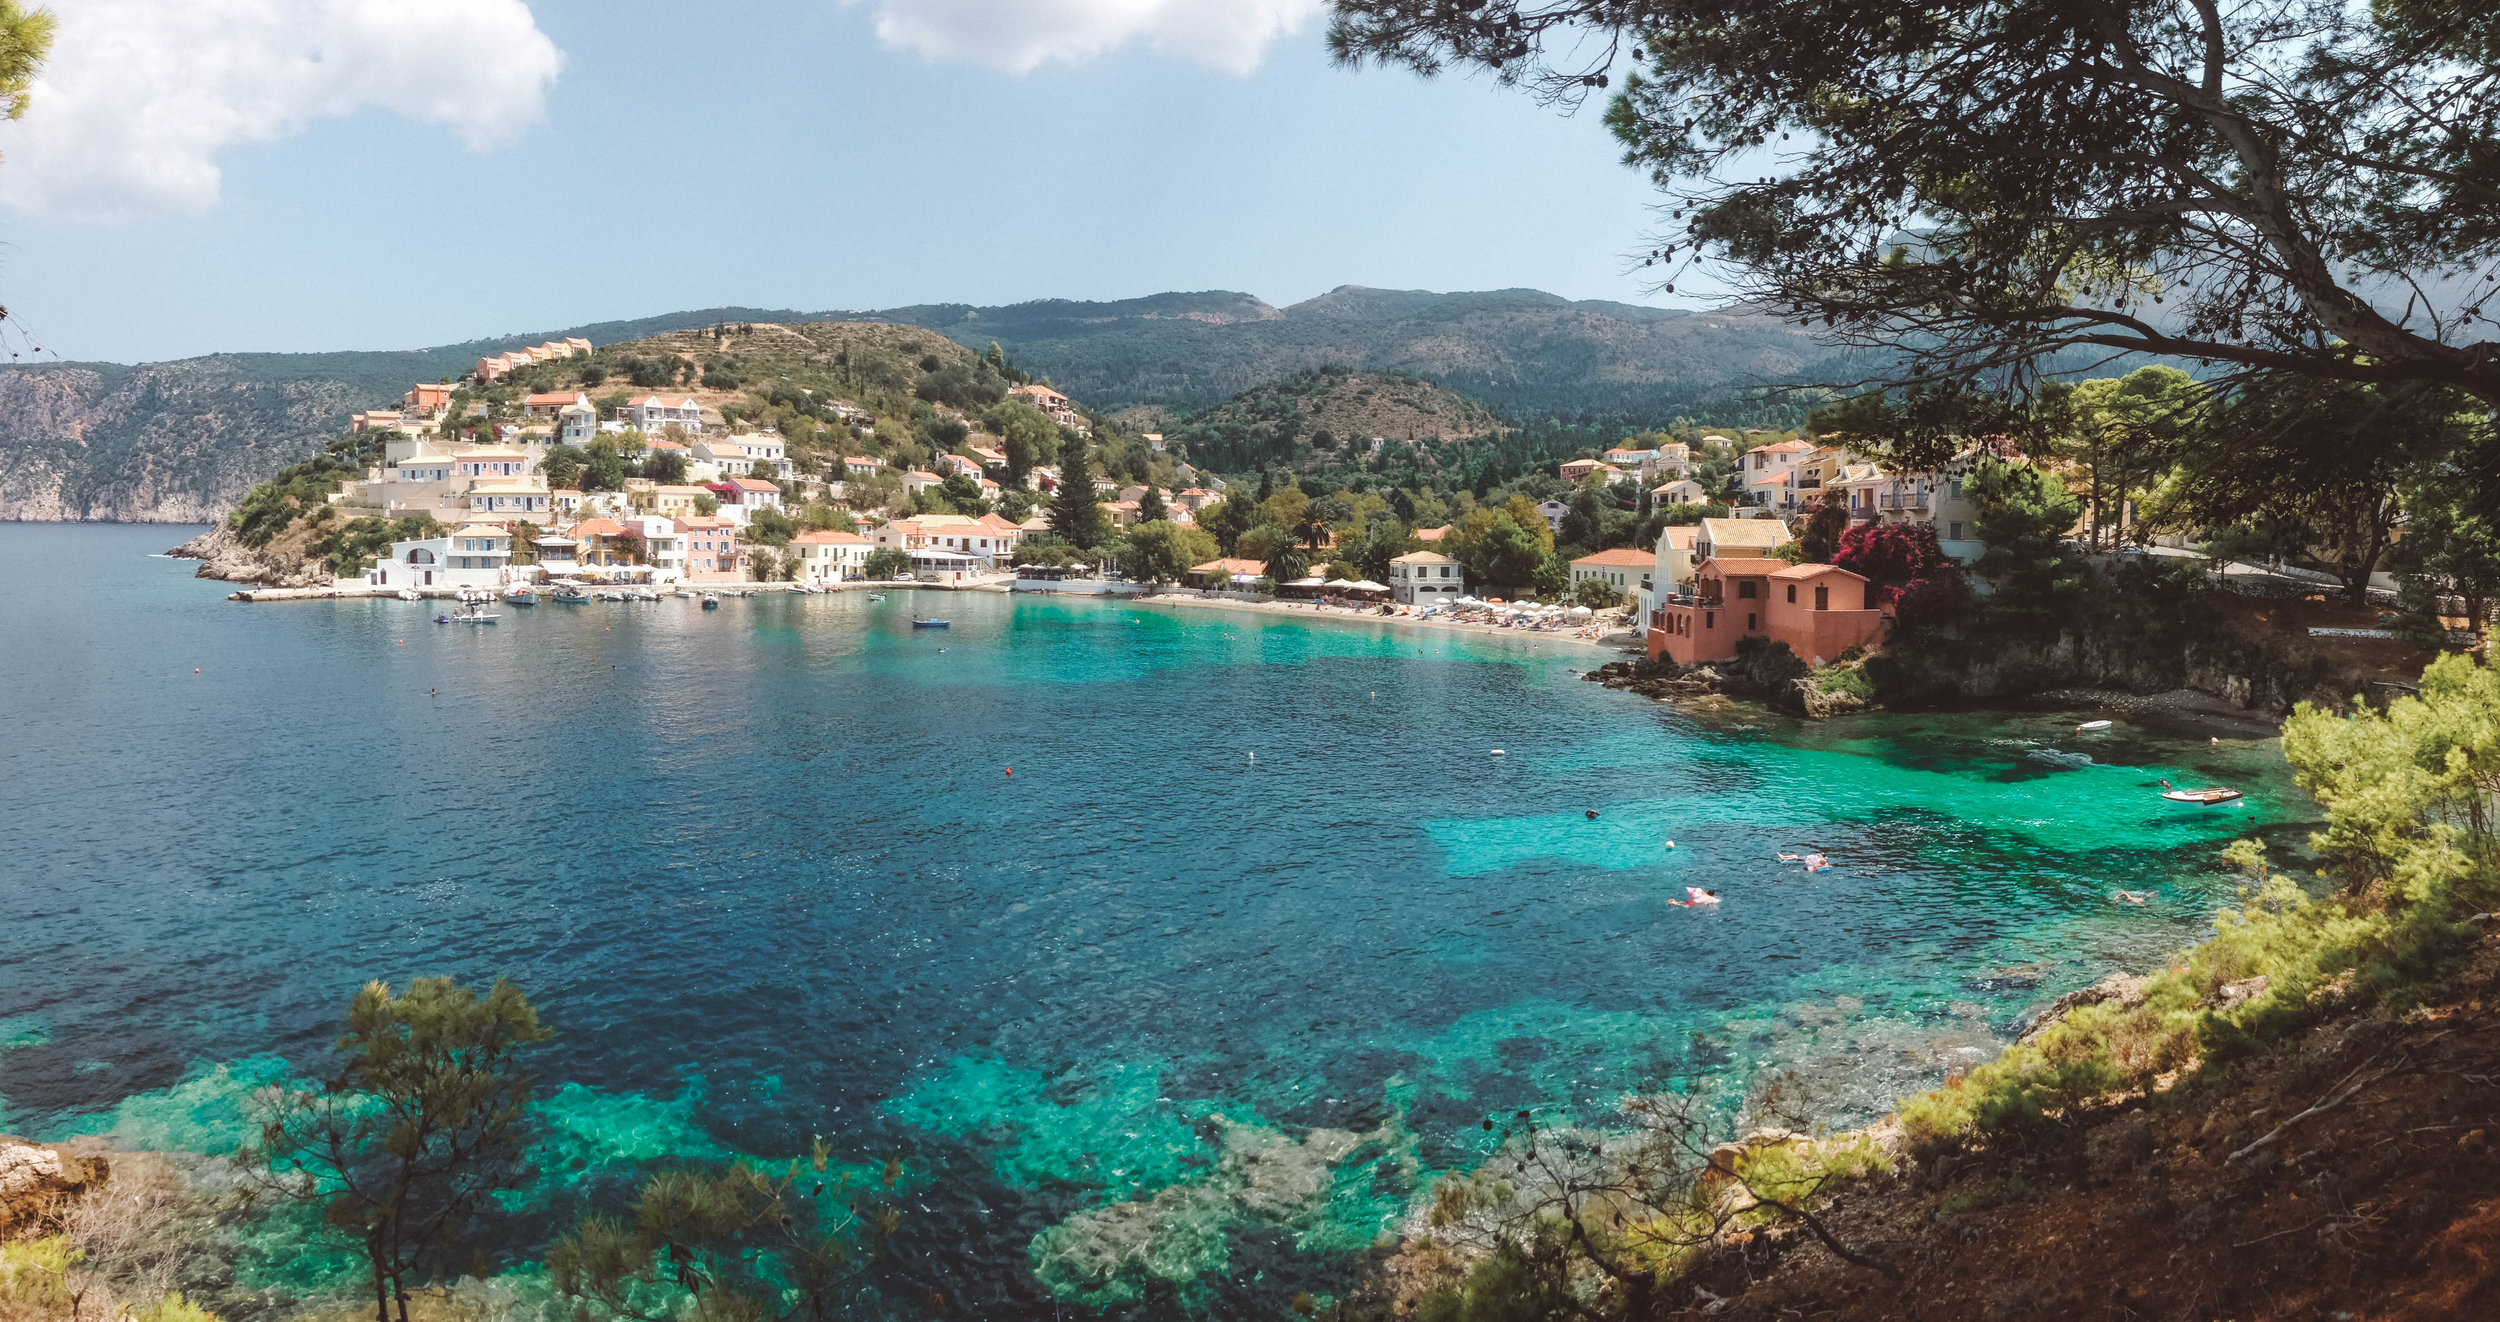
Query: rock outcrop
(37, 1181)
(1768, 674)
(283, 563)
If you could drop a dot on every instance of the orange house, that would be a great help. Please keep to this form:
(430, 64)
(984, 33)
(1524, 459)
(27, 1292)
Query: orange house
(1820, 611)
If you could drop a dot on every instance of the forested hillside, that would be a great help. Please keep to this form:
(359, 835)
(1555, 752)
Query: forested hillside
(1528, 355)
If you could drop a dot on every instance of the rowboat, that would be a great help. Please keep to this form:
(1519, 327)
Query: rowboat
(2217, 794)
(932, 624)
(2089, 726)
(711, 602)
(522, 597)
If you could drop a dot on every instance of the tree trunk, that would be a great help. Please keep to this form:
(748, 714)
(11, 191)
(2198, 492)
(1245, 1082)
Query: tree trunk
(381, 1283)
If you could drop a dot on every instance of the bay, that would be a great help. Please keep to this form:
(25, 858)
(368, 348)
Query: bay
(1255, 895)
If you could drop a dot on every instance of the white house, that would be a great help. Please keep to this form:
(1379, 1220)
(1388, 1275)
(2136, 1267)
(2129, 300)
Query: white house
(651, 413)
(576, 424)
(727, 457)
(1683, 491)
(1426, 577)
(510, 497)
(830, 557)
(472, 556)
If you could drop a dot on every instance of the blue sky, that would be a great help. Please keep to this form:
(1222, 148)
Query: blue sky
(346, 181)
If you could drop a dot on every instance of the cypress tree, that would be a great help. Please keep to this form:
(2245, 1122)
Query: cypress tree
(1074, 515)
(1150, 506)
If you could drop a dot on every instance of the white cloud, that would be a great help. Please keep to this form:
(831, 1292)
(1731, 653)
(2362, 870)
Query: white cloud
(1020, 35)
(139, 96)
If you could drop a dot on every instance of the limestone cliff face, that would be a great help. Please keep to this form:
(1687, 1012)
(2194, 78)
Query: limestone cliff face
(160, 443)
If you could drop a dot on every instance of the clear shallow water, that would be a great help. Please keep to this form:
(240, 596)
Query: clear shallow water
(1160, 1026)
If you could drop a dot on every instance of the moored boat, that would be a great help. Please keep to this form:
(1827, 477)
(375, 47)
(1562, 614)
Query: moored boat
(2215, 794)
(711, 602)
(411, 594)
(932, 624)
(522, 596)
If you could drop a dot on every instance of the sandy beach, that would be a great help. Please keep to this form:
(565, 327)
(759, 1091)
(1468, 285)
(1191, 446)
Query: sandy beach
(1309, 610)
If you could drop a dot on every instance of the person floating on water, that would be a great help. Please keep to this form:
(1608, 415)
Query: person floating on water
(1695, 897)
(2133, 897)
(1815, 862)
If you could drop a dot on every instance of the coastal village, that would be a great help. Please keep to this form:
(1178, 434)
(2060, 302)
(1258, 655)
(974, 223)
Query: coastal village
(497, 514)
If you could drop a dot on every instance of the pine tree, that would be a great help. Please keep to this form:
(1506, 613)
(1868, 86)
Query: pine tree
(1075, 517)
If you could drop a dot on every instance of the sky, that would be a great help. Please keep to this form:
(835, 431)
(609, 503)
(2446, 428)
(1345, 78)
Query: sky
(197, 176)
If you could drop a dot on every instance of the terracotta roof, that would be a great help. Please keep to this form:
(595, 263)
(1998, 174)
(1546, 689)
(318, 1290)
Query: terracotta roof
(1745, 532)
(1621, 555)
(597, 528)
(1815, 571)
(830, 537)
(1423, 558)
(1742, 566)
(1432, 534)
(552, 397)
(1680, 537)
(752, 484)
(705, 522)
(1229, 566)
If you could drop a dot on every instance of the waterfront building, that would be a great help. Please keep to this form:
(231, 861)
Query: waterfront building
(828, 556)
(1425, 578)
(1819, 611)
(1625, 569)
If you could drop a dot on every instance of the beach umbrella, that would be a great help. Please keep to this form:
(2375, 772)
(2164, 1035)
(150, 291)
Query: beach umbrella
(1366, 585)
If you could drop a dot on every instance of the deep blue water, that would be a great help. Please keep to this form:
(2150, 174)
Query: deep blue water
(765, 870)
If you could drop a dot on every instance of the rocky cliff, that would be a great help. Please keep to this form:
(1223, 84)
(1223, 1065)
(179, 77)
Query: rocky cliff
(286, 562)
(161, 443)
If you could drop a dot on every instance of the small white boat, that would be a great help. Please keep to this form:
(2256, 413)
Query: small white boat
(2089, 726)
(687, 595)
(710, 602)
(876, 596)
(411, 594)
(2217, 794)
(648, 595)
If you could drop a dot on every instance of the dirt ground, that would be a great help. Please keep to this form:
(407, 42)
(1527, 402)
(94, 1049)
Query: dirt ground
(2366, 1187)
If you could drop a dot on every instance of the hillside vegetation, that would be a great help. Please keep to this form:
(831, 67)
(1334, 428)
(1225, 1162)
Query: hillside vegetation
(1527, 354)
(1334, 410)
(183, 441)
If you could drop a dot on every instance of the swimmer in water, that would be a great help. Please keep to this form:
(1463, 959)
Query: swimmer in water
(1815, 862)
(2133, 897)
(1792, 858)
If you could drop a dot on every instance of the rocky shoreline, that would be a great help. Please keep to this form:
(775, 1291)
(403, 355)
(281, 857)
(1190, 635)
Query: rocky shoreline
(280, 564)
(1772, 676)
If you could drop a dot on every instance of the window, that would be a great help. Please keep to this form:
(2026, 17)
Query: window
(1954, 489)
(1955, 531)
(1822, 598)
(1792, 592)
(1745, 589)
(1749, 624)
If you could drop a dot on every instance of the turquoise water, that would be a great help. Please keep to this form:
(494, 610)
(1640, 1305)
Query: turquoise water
(1176, 1019)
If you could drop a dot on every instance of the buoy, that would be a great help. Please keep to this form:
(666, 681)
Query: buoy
(1011, 771)
(1254, 757)
(1592, 814)
(195, 670)
(1497, 752)
(1671, 844)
